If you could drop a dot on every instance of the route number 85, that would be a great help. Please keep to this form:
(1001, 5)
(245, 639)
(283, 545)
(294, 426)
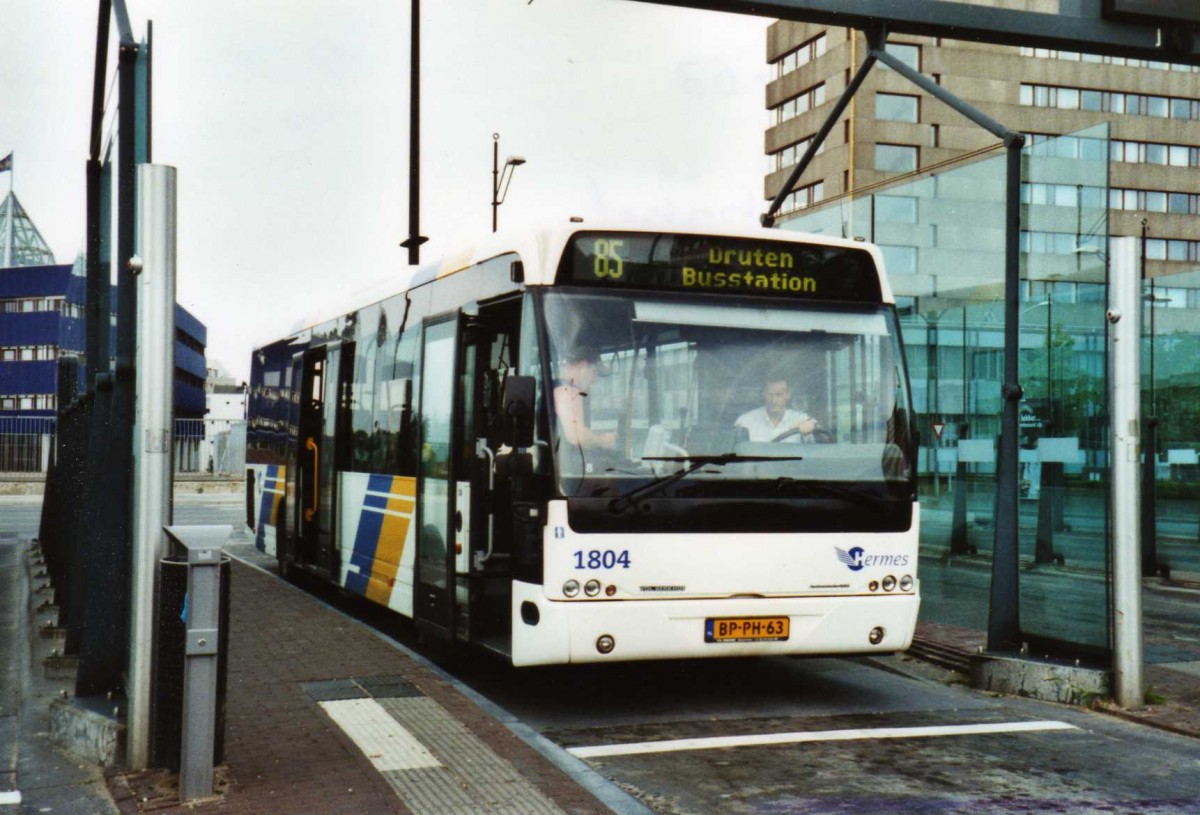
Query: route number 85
(606, 261)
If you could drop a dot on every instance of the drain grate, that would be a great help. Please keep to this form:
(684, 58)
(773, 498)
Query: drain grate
(363, 687)
(333, 690)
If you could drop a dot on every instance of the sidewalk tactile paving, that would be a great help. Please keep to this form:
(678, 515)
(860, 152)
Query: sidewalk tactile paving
(381, 737)
(434, 791)
(490, 782)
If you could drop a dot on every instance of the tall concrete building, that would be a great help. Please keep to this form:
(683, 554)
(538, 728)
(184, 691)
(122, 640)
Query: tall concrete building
(892, 128)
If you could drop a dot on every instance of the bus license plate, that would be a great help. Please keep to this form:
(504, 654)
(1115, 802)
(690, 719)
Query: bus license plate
(745, 629)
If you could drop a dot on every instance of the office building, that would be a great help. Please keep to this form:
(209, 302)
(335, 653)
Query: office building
(892, 128)
(1112, 150)
(42, 321)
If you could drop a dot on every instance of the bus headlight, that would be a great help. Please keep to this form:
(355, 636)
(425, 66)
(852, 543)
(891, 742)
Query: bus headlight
(605, 643)
(873, 585)
(906, 583)
(591, 588)
(876, 635)
(889, 583)
(571, 588)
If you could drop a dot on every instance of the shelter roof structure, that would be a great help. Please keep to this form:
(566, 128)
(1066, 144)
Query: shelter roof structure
(20, 242)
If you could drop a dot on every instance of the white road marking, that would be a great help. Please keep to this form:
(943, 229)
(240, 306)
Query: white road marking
(673, 745)
(10, 798)
(381, 738)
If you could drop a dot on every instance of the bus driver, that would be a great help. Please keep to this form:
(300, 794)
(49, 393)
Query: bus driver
(775, 421)
(576, 377)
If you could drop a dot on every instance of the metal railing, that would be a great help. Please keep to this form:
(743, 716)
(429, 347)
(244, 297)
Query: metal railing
(201, 446)
(26, 443)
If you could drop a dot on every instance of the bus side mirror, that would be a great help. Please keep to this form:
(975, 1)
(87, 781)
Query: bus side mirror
(519, 395)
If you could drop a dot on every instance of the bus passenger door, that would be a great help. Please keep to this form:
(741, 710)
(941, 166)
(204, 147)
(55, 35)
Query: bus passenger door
(484, 568)
(334, 453)
(433, 600)
(308, 456)
(324, 399)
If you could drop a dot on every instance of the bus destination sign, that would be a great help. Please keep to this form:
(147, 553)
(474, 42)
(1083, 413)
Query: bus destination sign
(710, 263)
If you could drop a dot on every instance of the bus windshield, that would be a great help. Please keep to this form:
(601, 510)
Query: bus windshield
(748, 392)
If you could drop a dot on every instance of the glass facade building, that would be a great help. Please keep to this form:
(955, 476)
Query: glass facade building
(942, 235)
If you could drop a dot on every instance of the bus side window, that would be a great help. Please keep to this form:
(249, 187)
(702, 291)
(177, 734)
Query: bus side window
(401, 444)
(529, 361)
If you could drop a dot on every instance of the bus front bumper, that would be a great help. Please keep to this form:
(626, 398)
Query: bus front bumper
(547, 632)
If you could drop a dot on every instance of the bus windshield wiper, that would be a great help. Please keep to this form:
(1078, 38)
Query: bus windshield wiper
(843, 492)
(620, 503)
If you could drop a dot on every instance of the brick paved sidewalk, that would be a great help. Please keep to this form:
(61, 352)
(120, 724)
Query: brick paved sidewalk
(283, 754)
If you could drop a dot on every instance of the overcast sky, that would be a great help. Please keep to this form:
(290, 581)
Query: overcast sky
(288, 123)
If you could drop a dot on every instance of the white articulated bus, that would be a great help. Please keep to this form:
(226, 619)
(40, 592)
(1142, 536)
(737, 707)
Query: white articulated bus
(605, 443)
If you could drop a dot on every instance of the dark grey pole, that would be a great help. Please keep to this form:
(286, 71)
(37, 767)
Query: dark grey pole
(1150, 564)
(1043, 552)
(97, 281)
(1004, 619)
(876, 39)
(103, 644)
(959, 544)
(495, 180)
(414, 240)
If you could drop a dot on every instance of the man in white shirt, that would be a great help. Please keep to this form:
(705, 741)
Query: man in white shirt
(577, 376)
(775, 419)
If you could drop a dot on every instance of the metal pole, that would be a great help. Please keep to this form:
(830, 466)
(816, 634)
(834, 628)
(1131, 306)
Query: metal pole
(495, 179)
(1004, 619)
(1043, 552)
(877, 39)
(12, 217)
(202, 648)
(1124, 314)
(414, 240)
(97, 268)
(103, 645)
(958, 530)
(1150, 565)
(931, 385)
(155, 368)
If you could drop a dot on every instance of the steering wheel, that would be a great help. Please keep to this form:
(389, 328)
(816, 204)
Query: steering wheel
(819, 435)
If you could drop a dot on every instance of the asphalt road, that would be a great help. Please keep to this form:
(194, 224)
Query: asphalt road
(833, 723)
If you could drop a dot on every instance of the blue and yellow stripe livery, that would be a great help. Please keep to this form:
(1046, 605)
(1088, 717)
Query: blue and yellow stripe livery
(274, 487)
(387, 513)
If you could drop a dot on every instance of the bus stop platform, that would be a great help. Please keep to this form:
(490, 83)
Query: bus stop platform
(1171, 671)
(324, 715)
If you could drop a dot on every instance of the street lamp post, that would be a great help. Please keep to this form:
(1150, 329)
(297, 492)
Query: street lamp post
(501, 178)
